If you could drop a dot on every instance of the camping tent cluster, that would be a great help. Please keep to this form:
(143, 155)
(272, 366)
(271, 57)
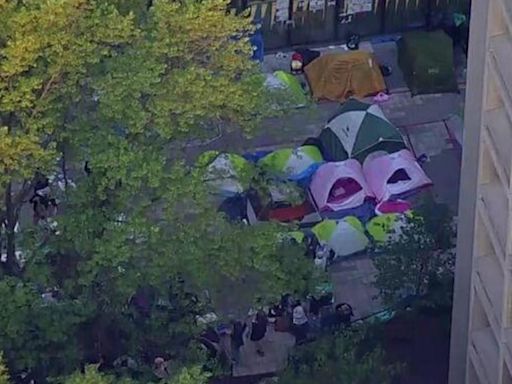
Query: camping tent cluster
(345, 187)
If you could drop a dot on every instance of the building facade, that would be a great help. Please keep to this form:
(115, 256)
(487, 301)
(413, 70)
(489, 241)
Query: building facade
(481, 338)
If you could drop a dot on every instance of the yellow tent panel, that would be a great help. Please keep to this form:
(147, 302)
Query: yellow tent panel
(338, 76)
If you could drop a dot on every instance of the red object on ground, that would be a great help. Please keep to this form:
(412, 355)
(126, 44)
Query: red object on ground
(295, 213)
(297, 56)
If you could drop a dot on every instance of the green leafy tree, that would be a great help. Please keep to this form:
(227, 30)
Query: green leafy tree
(186, 375)
(347, 357)
(419, 261)
(126, 93)
(42, 77)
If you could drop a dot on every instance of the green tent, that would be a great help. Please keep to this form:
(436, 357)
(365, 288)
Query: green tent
(387, 227)
(426, 60)
(290, 83)
(358, 130)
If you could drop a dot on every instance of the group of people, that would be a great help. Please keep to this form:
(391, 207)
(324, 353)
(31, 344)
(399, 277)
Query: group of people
(226, 342)
(302, 320)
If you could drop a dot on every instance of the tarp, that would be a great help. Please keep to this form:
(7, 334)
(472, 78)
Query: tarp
(241, 207)
(285, 202)
(394, 175)
(287, 81)
(338, 76)
(386, 227)
(426, 59)
(344, 237)
(293, 164)
(339, 186)
(358, 130)
(226, 173)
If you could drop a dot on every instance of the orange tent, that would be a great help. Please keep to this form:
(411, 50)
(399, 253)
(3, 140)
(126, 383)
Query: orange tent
(338, 76)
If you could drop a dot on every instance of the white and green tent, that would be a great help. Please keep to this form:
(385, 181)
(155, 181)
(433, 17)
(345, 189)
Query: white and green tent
(226, 173)
(387, 227)
(358, 130)
(345, 237)
(293, 164)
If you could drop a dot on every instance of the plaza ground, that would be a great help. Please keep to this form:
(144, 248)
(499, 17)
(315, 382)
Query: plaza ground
(432, 126)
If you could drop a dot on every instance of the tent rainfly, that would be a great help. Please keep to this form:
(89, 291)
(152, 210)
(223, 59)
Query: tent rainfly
(225, 172)
(344, 237)
(241, 207)
(338, 76)
(339, 186)
(293, 164)
(358, 130)
(395, 175)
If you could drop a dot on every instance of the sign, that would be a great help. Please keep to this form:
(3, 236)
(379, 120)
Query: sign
(316, 5)
(282, 10)
(358, 6)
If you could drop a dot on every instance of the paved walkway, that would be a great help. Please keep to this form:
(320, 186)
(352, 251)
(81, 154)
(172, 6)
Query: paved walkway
(276, 346)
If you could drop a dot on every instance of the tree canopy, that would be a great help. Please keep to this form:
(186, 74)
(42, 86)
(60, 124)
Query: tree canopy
(348, 357)
(419, 261)
(124, 88)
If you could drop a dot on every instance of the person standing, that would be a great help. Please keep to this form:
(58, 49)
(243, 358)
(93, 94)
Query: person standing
(258, 331)
(300, 323)
(237, 340)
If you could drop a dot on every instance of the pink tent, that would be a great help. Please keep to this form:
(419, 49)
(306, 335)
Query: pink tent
(394, 175)
(339, 186)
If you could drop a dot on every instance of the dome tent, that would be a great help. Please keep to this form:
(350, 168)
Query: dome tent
(387, 227)
(395, 175)
(281, 80)
(227, 174)
(293, 164)
(339, 186)
(358, 130)
(344, 237)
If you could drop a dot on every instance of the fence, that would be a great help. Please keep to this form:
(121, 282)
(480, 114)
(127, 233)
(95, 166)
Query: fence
(287, 23)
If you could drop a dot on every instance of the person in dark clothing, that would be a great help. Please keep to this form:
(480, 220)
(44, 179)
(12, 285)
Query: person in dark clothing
(87, 169)
(342, 316)
(210, 339)
(237, 340)
(258, 331)
(43, 206)
(345, 313)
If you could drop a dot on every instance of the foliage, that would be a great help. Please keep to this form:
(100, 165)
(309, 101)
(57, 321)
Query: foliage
(35, 334)
(192, 375)
(125, 93)
(4, 374)
(419, 261)
(91, 375)
(347, 357)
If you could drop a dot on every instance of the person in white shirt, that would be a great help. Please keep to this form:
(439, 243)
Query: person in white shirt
(300, 323)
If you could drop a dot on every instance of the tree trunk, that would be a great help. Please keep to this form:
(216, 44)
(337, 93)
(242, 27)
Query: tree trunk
(11, 264)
